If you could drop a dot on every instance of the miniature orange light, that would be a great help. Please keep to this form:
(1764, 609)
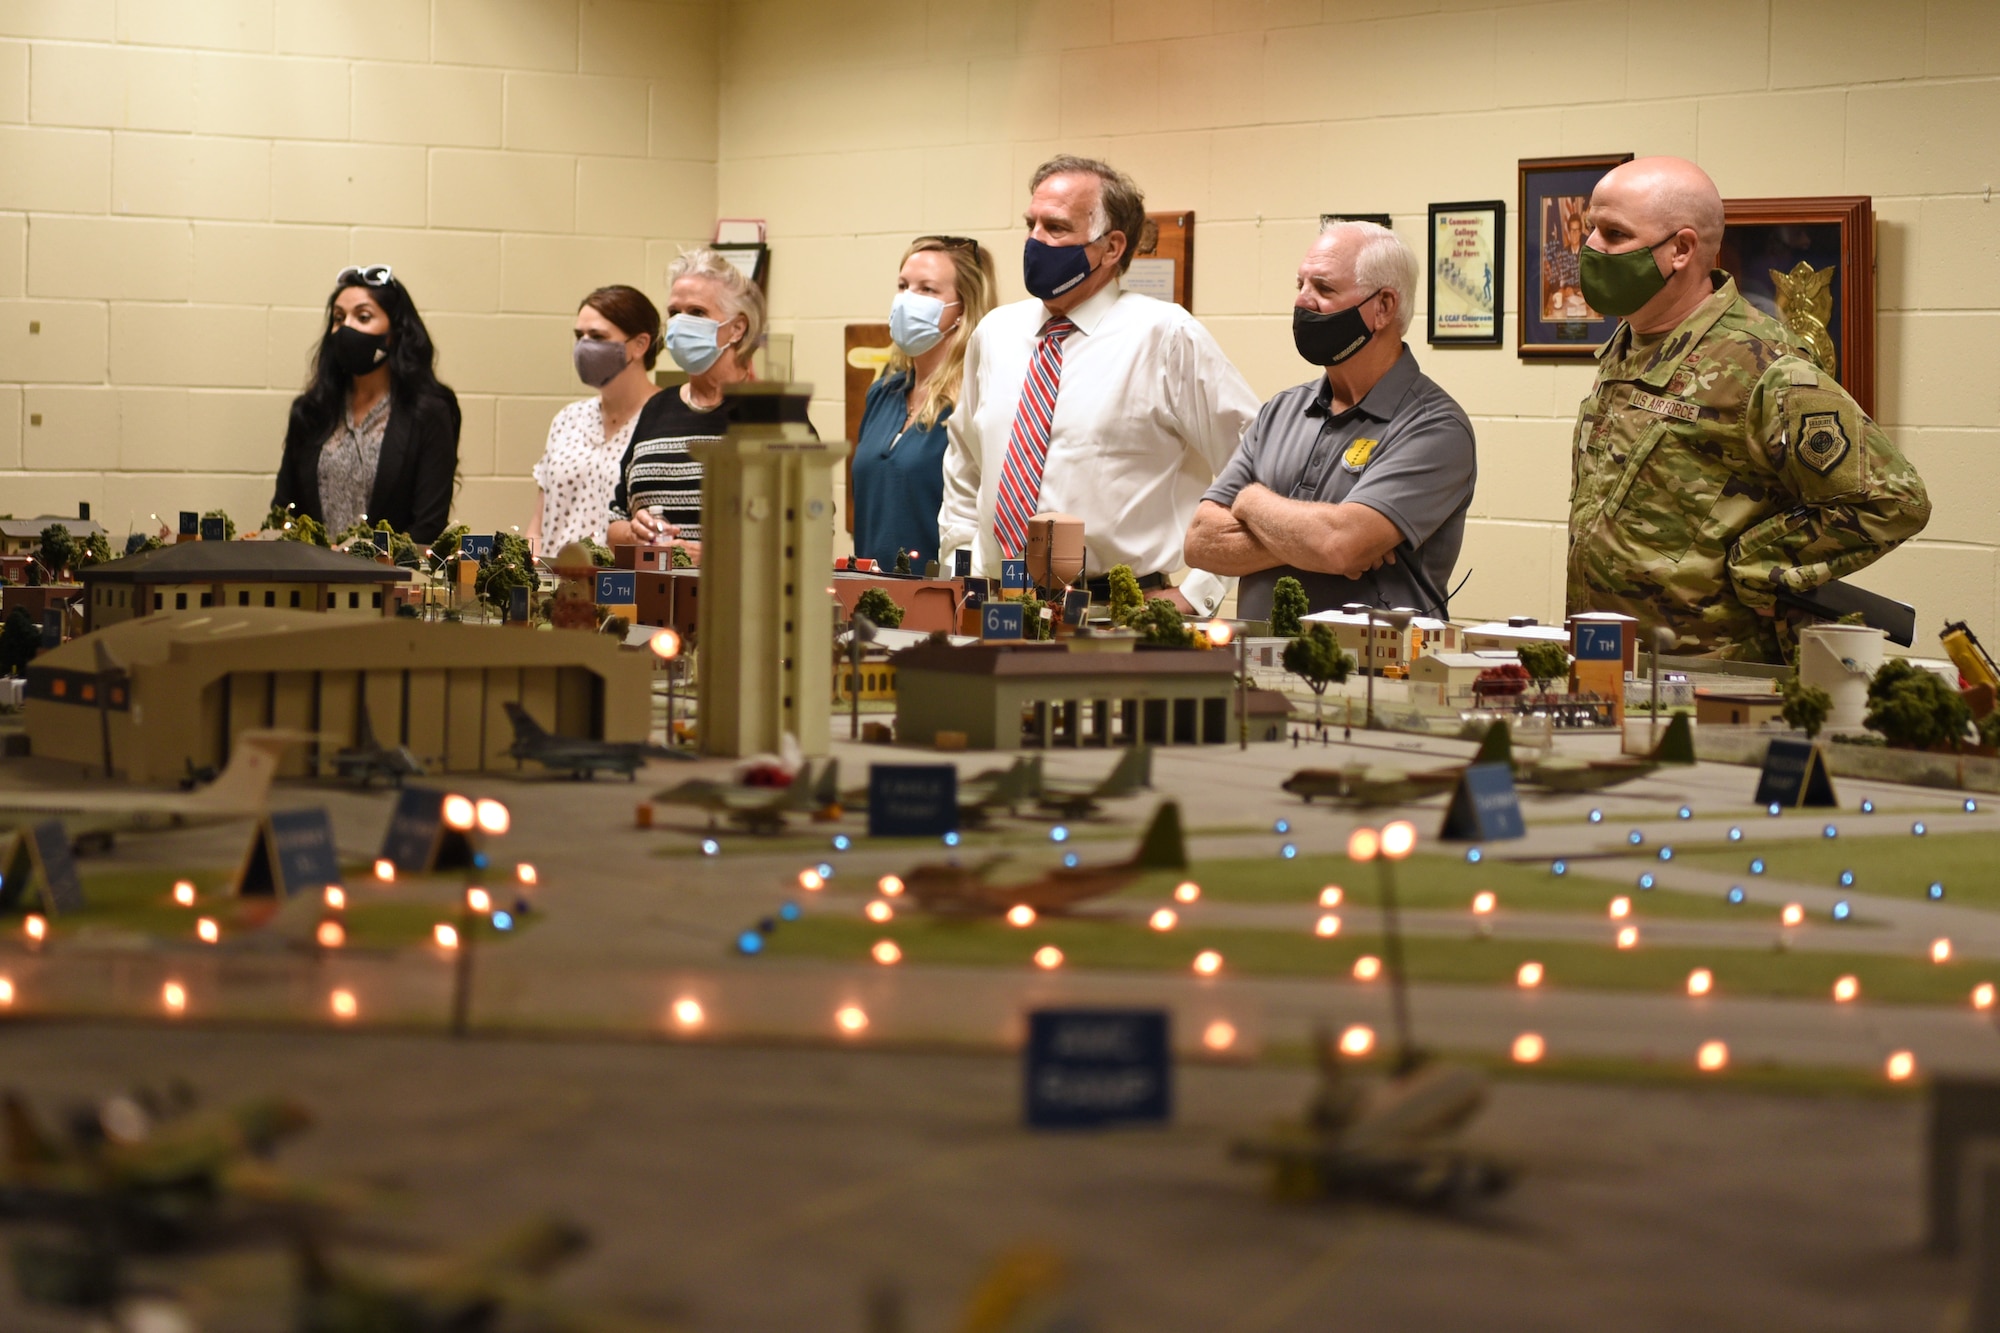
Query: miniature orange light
(1208, 962)
(1367, 967)
(1357, 1040)
(1164, 919)
(1328, 926)
(1793, 914)
(183, 893)
(444, 935)
(459, 813)
(1529, 976)
(478, 900)
(889, 886)
(1846, 989)
(1483, 902)
(687, 1012)
(879, 912)
(1940, 950)
(1982, 995)
(666, 645)
(1219, 632)
(36, 927)
(336, 898)
(887, 952)
(525, 873)
(174, 996)
(331, 935)
(1399, 839)
(811, 880)
(1628, 937)
(6, 992)
(343, 1004)
(207, 931)
(1219, 1035)
(1700, 981)
(1528, 1048)
(1901, 1066)
(1330, 896)
(1187, 891)
(492, 816)
(1048, 958)
(1020, 914)
(1363, 844)
(385, 870)
(1621, 907)
(1712, 1056)
(851, 1018)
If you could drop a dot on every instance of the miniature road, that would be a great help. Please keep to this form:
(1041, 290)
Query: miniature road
(746, 1188)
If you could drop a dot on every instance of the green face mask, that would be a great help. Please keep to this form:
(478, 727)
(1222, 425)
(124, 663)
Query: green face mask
(1620, 284)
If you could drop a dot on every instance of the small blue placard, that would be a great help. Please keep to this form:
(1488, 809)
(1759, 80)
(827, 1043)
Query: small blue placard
(190, 523)
(1013, 575)
(52, 629)
(1075, 606)
(476, 548)
(617, 587)
(291, 852)
(214, 530)
(517, 605)
(1484, 806)
(1085, 1068)
(912, 800)
(961, 562)
(43, 846)
(1597, 642)
(1000, 620)
(381, 540)
(1794, 775)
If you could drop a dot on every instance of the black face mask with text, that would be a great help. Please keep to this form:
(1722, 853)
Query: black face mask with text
(1329, 339)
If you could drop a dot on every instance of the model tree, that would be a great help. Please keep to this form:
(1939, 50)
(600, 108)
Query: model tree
(1288, 604)
(879, 607)
(1160, 622)
(1806, 707)
(1126, 600)
(1316, 658)
(93, 550)
(600, 554)
(1914, 708)
(1033, 624)
(292, 526)
(446, 545)
(903, 562)
(20, 640)
(57, 552)
(511, 567)
(678, 557)
(1544, 662)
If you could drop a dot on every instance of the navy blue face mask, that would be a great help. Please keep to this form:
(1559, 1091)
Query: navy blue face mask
(1051, 270)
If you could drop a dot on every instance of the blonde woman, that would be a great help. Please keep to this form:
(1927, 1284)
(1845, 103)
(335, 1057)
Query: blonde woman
(715, 319)
(945, 288)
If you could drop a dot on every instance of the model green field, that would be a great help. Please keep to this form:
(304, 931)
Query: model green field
(1966, 864)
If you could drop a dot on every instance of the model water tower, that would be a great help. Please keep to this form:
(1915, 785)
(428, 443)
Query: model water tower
(1605, 646)
(766, 623)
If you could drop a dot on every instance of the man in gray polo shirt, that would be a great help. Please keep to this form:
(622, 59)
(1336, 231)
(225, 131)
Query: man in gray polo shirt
(1356, 482)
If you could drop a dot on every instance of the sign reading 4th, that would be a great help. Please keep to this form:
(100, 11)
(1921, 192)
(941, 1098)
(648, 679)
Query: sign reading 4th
(1013, 575)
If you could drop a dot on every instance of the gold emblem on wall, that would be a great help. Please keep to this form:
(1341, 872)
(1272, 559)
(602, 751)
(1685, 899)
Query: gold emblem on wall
(1805, 304)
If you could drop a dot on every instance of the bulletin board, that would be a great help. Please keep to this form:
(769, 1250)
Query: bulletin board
(1163, 264)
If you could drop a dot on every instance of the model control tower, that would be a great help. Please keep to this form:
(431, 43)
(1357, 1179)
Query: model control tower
(766, 623)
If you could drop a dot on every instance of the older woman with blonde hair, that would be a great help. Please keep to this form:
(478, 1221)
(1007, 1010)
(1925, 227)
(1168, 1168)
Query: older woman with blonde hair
(945, 287)
(715, 321)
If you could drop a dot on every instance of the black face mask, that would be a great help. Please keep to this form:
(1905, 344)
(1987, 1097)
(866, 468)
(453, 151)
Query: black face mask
(1328, 340)
(356, 352)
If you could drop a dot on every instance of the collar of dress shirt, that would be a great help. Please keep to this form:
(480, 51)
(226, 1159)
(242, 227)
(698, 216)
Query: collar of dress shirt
(1091, 313)
(1381, 401)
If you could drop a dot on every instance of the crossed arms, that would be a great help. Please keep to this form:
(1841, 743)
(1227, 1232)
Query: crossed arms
(1262, 530)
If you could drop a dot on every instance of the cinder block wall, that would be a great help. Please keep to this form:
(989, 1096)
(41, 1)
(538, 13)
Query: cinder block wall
(854, 128)
(181, 179)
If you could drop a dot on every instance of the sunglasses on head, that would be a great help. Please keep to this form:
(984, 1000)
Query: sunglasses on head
(953, 242)
(371, 275)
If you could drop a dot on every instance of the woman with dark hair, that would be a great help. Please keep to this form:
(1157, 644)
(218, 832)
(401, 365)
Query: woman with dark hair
(375, 435)
(617, 342)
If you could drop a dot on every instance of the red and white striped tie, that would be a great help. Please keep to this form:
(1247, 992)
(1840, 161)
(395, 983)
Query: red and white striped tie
(1028, 446)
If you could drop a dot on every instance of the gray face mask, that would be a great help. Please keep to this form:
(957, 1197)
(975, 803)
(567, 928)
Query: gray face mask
(598, 360)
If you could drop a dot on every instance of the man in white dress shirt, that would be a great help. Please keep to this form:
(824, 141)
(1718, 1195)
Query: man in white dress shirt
(1091, 400)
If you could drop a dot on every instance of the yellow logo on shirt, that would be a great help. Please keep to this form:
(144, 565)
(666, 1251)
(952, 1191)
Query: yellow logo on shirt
(1358, 452)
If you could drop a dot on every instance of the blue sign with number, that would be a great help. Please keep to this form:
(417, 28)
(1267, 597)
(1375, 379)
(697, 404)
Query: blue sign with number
(1090, 1067)
(1000, 620)
(1013, 575)
(476, 548)
(912, 800)
(214, 529)
(190, 523)
(617, 587)
(1599, 642)
(961, 562)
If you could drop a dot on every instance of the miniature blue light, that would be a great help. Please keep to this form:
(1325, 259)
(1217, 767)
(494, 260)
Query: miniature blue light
(1735, 834)
(1473, 855)
(750, 942)
(1847, 879)
(1757, 866)
(1685, 813)
(841, 842)
(479, 860)
(1735, 894)
(709, 847)
(951, 839)
(1666, 853)
(1597, 816)
(789, 912)
(1772, 809)
(1288, 851)
(1645, 881)
(503, 921)
(1559, 868)
(1059, 834)
(1282, 826)
(1070, 859)
(1970, 805)
(1635, 837)
(1868, 807)
(1841, 911)
(1829, 832)
(825, 870)
(1918, 828)
(1936, 891)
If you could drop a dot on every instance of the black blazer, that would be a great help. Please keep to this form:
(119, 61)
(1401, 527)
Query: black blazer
(413, 478)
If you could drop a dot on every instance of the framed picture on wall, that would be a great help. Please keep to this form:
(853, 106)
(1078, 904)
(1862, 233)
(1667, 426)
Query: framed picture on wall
(1555, 320)
(1810, 264)
(1164, 264)
(1468, 271)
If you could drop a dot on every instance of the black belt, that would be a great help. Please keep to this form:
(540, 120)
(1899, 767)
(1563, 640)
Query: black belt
(1100, 589)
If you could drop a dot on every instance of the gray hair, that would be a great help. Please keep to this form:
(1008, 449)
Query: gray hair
(1381, 262)
(742, 296)
(1121, 204)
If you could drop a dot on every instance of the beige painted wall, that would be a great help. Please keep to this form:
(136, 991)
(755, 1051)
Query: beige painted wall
(853, 128)
(181, 179)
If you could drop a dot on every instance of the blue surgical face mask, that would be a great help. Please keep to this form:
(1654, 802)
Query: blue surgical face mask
(691, 341)
(915, 322)
(1051, 270)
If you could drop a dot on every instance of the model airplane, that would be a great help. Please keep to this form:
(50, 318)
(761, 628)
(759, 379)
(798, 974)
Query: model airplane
(93, 819)
(950, 888)
(576, 756)
(759, 809)
(1569, 773)
(1133, 770)
(1397, 1144)
(368, 759)
(1377, 785)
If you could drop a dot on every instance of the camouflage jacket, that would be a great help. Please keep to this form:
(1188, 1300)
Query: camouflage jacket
(1715, 467)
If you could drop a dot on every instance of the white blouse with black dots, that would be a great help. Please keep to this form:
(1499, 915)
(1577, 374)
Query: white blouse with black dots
(578, 473)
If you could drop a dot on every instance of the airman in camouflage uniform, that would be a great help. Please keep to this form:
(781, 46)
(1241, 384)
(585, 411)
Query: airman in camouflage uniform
(1716, 464)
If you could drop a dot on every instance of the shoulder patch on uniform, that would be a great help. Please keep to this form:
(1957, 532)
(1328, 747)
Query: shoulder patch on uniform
(1822, 441)
(1678, 409)
(1682, 381)
(1805, 376)
(1358, 453)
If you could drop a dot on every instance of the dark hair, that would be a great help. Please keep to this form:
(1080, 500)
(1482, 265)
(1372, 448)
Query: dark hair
(412, 358)
(1124, 202)
(631, 312)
